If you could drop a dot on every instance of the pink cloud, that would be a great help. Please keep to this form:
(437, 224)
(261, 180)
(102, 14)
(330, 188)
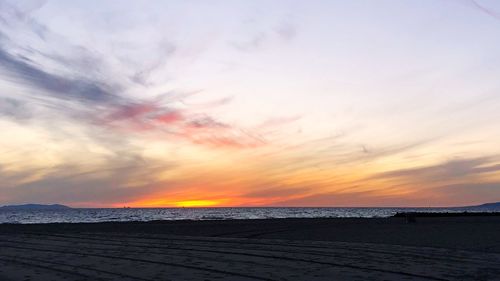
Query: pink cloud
(169, 117)
(198, 128)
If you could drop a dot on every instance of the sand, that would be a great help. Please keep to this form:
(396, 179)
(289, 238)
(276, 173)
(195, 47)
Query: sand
(286, 249)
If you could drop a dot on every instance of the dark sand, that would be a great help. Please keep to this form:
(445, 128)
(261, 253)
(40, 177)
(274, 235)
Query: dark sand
(451, 248)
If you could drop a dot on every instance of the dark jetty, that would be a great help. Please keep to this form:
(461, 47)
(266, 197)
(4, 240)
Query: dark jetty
(445, 214)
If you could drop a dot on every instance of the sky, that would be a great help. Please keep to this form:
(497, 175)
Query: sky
(250, 103)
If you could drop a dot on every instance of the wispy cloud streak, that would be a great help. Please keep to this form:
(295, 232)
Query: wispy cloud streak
(485, 10)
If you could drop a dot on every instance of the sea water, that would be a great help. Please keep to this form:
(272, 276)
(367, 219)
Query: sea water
(149, 214)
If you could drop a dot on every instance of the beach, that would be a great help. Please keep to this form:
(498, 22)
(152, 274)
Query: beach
(437, 248)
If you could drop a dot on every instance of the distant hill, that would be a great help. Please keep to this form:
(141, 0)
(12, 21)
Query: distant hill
(35, 207)
(493, 206)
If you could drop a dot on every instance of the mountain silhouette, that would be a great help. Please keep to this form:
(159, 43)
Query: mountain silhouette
(35, 207)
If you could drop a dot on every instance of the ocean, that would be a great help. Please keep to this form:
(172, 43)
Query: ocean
(149, 214)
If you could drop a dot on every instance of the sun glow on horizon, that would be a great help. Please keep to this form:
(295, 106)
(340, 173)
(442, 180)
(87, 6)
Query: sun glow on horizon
(179, 203)
(197, 203)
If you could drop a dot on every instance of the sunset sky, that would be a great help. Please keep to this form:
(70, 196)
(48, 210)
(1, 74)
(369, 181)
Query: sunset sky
(250, 103)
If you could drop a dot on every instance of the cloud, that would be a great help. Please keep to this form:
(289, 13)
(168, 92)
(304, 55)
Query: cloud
(94, 115)
(209, 104)
(254, 43)
(131, 111)
(24, 61)
(143, 76)
(198, 128)
(14, 109)
(471, 193)
(206, 122)
(349, 199)
(368, 153)
(339, 150)
(115, 182)
(450, 170)
(276, 192)
(287, 31)
(488, 11)
(19, 70)
(236, 139)
(279, 121)
(452, 183)
(281, 33)
(88, 101)
(169, 117)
